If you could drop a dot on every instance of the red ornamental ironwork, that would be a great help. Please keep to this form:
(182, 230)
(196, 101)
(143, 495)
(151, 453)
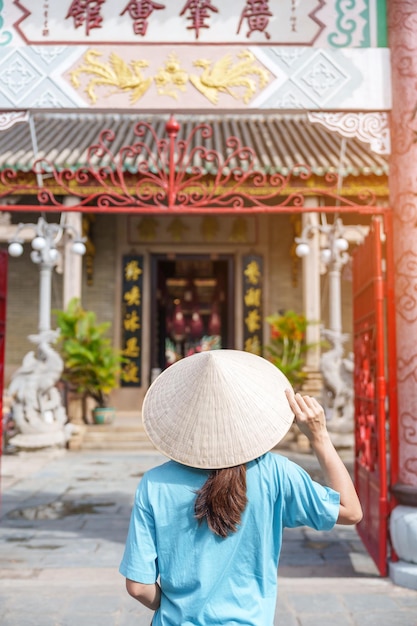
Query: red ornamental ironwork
(366, 427)
(168, 173)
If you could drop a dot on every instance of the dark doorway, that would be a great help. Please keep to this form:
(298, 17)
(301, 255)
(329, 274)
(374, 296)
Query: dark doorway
(192, 308)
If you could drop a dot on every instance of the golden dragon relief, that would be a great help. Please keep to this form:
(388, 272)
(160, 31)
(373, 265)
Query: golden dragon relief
(240, 79)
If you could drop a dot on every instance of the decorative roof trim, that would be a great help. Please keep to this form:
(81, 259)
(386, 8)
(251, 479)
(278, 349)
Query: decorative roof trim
(281, 142)
(10, 118)
(171, 170)
(372, 128)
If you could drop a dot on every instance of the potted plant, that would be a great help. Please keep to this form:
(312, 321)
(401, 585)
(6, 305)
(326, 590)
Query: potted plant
(287, 346)
(91, 364)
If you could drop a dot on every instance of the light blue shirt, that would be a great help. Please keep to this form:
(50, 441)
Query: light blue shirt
(207, 580)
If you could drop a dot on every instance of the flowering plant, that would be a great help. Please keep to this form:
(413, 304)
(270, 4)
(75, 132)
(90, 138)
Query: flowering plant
(287, 347)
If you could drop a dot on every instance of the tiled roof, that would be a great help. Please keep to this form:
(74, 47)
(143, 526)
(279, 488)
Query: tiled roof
(279, 140)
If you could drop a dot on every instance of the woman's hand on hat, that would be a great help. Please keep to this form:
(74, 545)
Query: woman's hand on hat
(309, 415)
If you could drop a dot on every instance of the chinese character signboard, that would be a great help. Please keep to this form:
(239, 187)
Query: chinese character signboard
(270, 22)
(194, 54)
(132, 284)
(252, 266)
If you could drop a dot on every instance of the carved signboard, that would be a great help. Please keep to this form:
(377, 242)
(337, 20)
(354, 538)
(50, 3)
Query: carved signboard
(132, 321)
(194, 54)
(252, 303)
(287, 22)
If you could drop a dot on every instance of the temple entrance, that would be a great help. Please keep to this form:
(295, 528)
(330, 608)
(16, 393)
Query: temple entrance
(193, 304)
(192, 309)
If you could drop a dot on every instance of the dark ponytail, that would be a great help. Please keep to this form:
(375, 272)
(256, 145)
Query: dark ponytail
(222, 500)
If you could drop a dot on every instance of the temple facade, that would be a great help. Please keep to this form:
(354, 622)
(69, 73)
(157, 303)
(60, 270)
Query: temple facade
(211, 157)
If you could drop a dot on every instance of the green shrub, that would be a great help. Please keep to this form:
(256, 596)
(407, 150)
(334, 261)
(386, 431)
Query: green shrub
(91, 364)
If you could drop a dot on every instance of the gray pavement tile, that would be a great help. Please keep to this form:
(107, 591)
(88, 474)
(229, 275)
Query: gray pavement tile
(389, 618)
(367, 602)
(22, 619)
(318, 603)
(325, 620)
(134, 617)
(347, 533)
(30, 604)
(284, 618)
(99, 603)
(87, 619)
(407, 601)
(68, 566)
(305, 558)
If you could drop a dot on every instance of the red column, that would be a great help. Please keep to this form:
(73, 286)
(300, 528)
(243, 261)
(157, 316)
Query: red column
(402, 24)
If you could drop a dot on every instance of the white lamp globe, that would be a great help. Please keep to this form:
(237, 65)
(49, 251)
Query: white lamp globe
(326, 255)
(15, 249)
(38, 243)
(341, 244)
(302, 249)
(53, 254)
(78, 247)
(35, 256)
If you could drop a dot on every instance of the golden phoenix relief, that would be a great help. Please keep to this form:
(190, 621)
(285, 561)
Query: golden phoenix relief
(116, 73)
(225, 76)
(240, 79)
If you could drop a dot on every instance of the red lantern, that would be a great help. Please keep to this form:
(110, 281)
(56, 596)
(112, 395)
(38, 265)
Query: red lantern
(196, 325)
(178, 323)
(214, 325)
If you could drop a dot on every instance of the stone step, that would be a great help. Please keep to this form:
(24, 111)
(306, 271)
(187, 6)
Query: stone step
(125, 433)
(106, 444)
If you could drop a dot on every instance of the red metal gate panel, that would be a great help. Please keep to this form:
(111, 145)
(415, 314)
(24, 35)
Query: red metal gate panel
(370, 394)
(3, 294)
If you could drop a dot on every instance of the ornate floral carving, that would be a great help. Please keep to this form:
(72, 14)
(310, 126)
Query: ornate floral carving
(171, 78)
(411, 465)
(9, 118)
(350, 18)
(406, 286)
(372, 128)
(402, 21)
(409, 423)
(5, 35)
(405, 204)
(407, 368)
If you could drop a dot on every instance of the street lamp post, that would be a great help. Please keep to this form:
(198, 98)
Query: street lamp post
(334, 256)
(335, 367)
(37, 405)
(47, 237)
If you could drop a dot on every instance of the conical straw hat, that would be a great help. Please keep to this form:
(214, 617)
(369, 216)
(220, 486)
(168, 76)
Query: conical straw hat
(217, 409)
